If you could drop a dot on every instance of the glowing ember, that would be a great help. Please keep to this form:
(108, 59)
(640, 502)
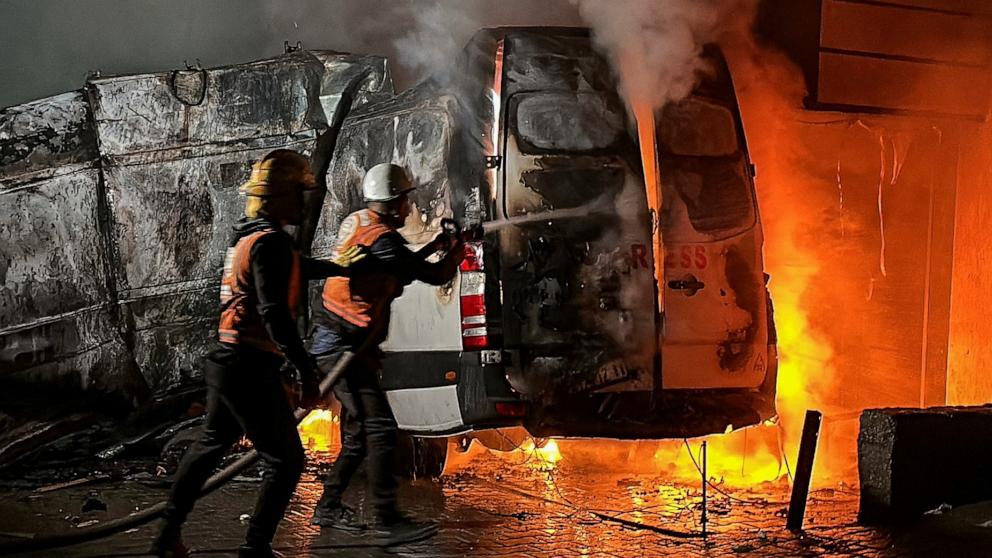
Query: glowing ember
(319, 431)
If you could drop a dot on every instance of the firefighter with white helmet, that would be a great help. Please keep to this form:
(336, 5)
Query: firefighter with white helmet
(264, 277)
(355, 313)
(386, 182)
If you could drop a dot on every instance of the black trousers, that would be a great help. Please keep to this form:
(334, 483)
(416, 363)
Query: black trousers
(368, 433)
(244, 396)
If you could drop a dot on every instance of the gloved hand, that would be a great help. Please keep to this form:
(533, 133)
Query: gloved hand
(352, 255)
(309, 389)
(450, 235)
(309, 392)
(441, 243)
(451, 227)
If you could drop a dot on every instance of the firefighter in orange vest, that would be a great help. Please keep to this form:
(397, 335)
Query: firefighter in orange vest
(355, 314)
(264, 277)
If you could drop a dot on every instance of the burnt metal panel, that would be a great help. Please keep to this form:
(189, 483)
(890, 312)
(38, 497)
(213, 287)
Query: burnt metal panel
(56, 320)
(419, 138)
(118, 203)
(174, 161)
(39, 137)
(151, 112)
(351, 81)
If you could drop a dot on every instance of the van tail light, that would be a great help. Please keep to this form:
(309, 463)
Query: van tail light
(475, 333)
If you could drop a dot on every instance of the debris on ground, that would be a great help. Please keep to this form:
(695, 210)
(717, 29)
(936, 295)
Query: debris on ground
(939, 510)
(93, 503)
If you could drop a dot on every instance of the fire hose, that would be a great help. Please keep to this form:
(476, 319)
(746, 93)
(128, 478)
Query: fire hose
(154, 512)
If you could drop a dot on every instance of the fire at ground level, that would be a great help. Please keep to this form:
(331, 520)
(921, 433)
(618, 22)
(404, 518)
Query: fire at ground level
(518, 503)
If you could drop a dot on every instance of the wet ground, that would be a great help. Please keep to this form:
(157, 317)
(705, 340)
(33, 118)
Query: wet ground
(514, 505)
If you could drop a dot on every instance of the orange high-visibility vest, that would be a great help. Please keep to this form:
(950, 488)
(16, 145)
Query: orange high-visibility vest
(363, 297)
(239, 318)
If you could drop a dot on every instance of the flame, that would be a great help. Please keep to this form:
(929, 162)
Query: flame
(544, 458)
(759, 454)
(318, 430)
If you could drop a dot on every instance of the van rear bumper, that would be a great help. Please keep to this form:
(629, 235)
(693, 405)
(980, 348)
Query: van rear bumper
(485, 398)
(634, 416)
(665, 414)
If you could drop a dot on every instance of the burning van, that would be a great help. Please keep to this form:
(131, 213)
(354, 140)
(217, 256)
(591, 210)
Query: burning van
(581, 309)
(565, 319)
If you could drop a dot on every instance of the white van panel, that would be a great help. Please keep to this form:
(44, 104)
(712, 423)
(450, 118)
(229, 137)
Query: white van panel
(431, 409)
(426, 318)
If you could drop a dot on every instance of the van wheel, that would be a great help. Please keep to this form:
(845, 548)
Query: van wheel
(421, 458)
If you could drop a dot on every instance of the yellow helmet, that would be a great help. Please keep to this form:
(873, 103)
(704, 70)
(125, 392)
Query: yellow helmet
(275, 188)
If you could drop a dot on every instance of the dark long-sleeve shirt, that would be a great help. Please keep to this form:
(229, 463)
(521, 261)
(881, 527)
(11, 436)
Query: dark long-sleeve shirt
(271, 264)
(390, 252)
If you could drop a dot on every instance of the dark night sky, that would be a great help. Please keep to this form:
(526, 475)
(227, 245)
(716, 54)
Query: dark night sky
(48, 46)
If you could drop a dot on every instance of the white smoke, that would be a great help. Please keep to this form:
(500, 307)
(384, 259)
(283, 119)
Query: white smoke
(435, 36)
(655, 45)
(421, 38)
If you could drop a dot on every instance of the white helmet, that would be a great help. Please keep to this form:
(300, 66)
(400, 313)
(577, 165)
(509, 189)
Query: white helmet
(385, 182)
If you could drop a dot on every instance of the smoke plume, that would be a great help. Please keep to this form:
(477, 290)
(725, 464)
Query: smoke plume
(436, 35)
(655, 45)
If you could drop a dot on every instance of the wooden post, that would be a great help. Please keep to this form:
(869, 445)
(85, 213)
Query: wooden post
(704, 518)
(804, 470)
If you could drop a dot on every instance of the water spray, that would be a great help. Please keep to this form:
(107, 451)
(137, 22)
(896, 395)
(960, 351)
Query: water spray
(599, 206)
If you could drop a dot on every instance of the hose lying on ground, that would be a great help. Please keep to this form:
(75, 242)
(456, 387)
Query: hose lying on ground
(43, 542)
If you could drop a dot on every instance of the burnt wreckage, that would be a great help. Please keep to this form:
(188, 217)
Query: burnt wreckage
(119, 200)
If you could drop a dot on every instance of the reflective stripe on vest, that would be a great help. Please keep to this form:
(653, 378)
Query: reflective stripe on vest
(377, 291)
(239, 319)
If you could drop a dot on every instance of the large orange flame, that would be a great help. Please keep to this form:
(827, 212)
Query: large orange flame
(319, 430)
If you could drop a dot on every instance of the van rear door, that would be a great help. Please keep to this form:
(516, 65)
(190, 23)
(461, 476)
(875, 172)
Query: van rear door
(715, 332)
(578, 282)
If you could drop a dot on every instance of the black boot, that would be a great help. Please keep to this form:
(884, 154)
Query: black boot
(397, 529)
(339, 517)
(169, 543)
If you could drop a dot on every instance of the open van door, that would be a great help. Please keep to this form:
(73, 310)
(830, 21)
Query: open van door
(715, 332)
